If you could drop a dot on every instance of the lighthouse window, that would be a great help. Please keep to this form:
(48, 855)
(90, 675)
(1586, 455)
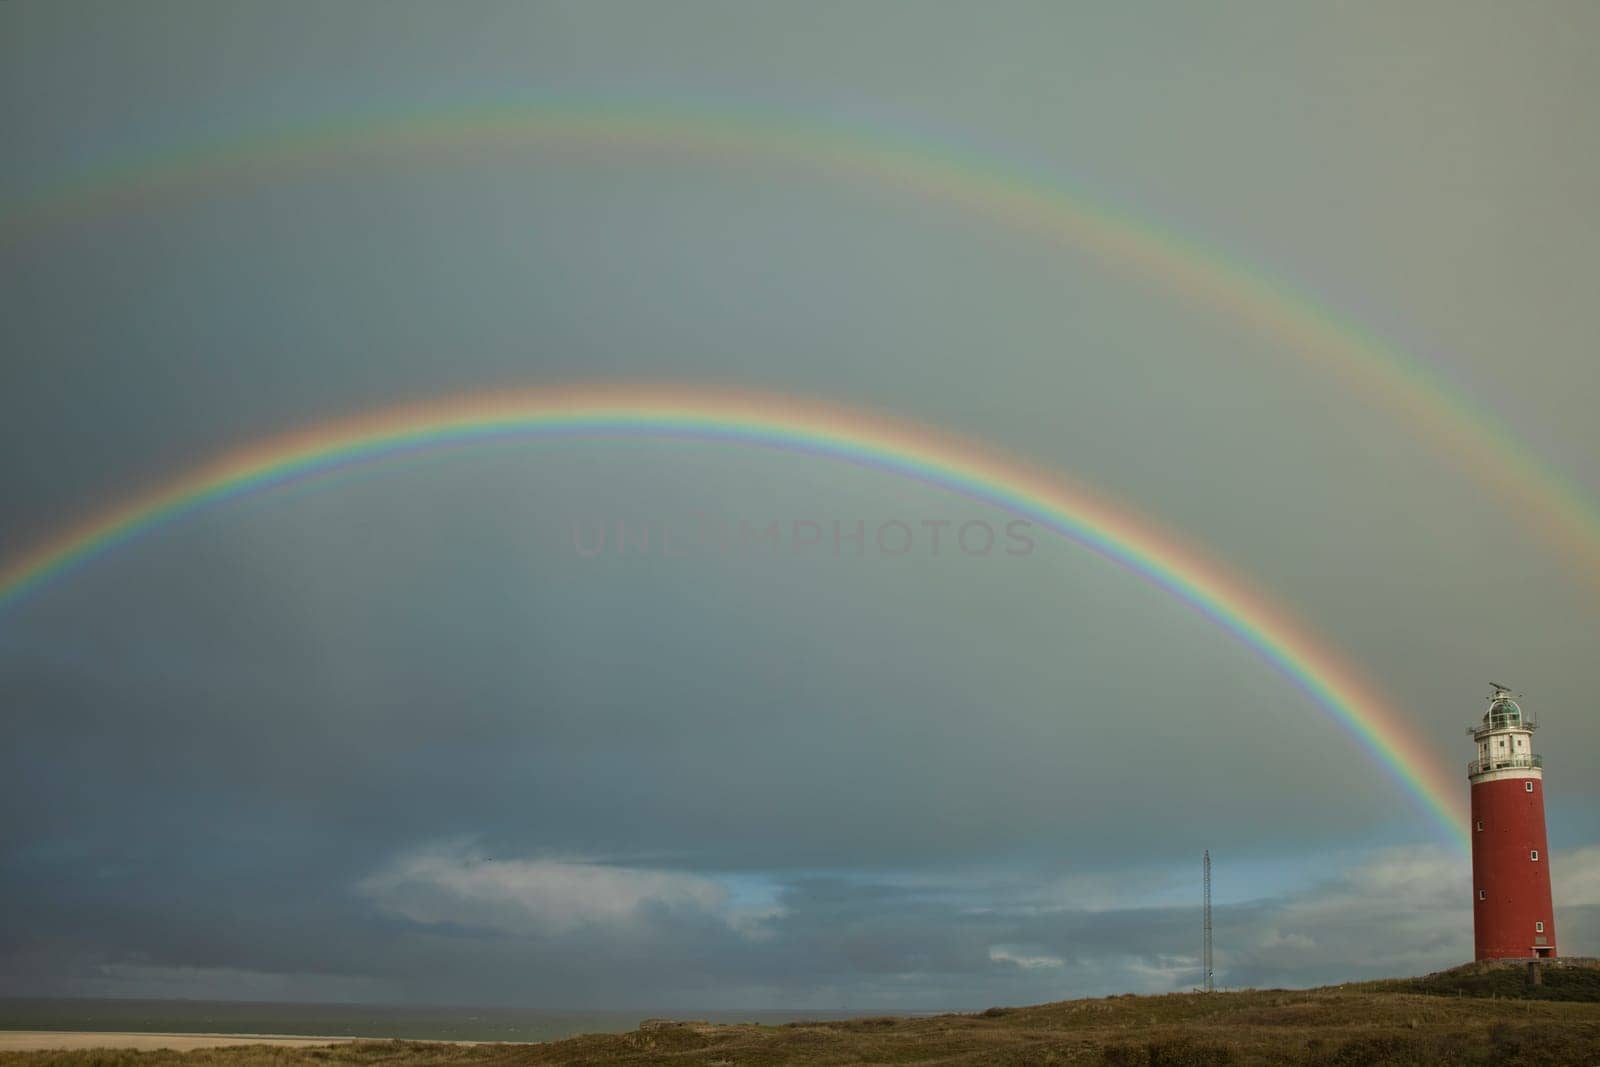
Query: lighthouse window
(1534, 855)
(1528, 786)
(1483, 894)
(1480, 826)
(1538, 928)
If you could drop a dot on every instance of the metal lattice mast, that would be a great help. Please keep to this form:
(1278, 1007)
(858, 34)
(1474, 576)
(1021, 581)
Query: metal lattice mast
(1207, 920)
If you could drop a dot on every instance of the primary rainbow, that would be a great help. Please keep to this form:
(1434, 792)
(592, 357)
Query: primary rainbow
(1463, 433)
(785, 423)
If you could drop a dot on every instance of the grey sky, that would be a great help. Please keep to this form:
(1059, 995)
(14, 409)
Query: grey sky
(363, 740)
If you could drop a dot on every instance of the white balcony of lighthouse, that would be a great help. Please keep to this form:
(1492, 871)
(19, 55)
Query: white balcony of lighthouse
(1481, 766)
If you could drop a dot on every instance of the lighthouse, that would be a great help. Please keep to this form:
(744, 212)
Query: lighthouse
(1511, 913)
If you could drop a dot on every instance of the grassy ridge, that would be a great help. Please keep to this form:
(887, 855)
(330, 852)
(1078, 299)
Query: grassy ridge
(1334, 1026)
(1576, 980)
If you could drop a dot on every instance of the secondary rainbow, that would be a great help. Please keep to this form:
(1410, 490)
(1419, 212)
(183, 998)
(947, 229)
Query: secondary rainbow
(1461, 432)
(784, 423)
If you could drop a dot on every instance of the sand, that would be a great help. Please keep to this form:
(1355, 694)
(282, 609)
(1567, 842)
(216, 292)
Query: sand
(34, 1040)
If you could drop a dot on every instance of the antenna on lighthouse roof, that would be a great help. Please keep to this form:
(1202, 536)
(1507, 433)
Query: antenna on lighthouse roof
(1501, 692)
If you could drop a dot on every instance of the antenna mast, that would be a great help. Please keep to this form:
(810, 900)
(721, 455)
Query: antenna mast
(1207, 921)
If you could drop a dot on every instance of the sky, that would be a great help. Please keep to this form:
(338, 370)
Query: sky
(391, 736)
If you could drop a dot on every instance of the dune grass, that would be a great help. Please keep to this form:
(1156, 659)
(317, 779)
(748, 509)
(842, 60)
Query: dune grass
(1575, 980)
(1357, 1024)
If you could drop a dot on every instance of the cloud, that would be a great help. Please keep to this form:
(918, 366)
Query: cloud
(1399, 911)
(1575, 880)
(448, 884)
(1027, 958)
(438, 922)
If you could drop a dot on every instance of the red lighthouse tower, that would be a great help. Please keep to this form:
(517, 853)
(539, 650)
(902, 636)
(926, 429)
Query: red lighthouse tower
(1511, 913)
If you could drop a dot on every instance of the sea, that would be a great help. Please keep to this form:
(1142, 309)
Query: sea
(351, 1020)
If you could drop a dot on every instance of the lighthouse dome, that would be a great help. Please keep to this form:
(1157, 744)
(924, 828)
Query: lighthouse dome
(1503, 711)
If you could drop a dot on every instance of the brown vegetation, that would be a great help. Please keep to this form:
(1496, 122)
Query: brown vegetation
(1569, 978)
(1358, 1024)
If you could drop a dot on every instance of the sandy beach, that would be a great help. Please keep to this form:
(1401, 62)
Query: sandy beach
(45, 1040)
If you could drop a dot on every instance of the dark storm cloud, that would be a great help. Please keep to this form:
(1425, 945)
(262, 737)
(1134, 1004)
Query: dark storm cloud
(442, 922)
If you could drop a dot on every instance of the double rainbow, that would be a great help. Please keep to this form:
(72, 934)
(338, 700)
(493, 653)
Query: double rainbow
(1462, 433)
(826, 431)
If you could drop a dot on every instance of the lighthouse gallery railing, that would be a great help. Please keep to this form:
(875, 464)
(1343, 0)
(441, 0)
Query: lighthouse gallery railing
(1502, 763)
